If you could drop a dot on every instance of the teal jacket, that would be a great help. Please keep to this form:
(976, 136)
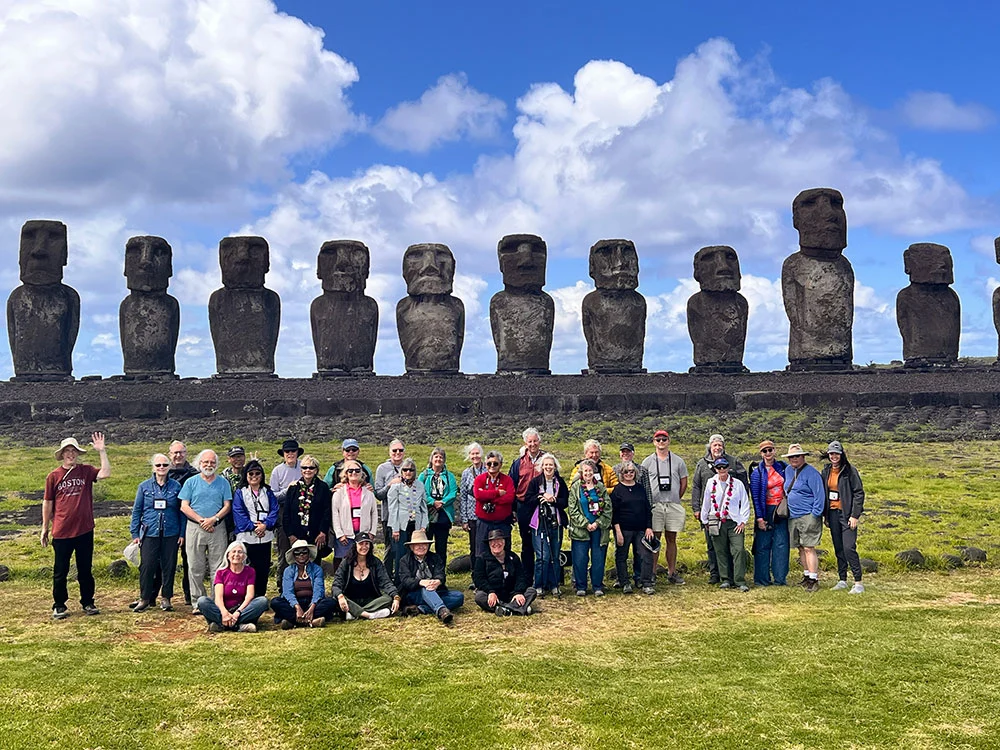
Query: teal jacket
(450, 492)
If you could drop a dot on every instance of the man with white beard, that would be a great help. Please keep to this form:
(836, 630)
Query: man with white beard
(205, 500)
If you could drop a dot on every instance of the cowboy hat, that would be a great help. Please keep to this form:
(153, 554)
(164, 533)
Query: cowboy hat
(795, 450)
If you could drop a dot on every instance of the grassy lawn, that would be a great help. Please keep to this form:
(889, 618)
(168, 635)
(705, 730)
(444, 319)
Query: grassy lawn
(913, 663)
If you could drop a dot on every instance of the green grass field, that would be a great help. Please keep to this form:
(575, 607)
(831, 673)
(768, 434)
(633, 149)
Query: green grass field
(913, 663)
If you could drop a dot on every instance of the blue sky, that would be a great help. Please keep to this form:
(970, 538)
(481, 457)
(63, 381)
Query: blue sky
(675, 124)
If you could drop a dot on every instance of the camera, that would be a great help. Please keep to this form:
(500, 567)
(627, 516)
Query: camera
(664, 485)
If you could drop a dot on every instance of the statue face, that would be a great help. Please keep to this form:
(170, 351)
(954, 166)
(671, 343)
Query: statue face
(428, 269)
(148, 265)
(614, 264)
(343, 266)
(927, 263)
(522, 261)
(43, 252)
(996, 248)
(819, 216)
(244, 261)
(717, 269)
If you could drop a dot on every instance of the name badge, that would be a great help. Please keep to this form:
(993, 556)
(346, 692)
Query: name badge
(594, 507)
(356, 512)
(834, 495)
(261, 516)
(159, 505)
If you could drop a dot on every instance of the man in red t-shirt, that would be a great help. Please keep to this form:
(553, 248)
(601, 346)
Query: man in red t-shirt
(68, 505)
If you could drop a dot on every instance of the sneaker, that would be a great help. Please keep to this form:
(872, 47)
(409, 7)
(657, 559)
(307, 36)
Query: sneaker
(813, 586)
(841, 585)
(59, 612)
(444, 615)
(502, 611)
(725, 585)
(616, 585)
(348, 616)
(214, 627)
(541, 593)
(627, 588)
(141, 606)
(557, 592)
(287, 624)
(676, 579)
(91, 609)
(195, 611)
(411, 610)
(187, 600)
(581, 592)
(648, 590)
(857, 588)
(166, 606)
(317, 622)
(529, 610)
(804, 583)
(248, 627)
(598, 592)
(134, 604)
(472, 587)
(743, 588)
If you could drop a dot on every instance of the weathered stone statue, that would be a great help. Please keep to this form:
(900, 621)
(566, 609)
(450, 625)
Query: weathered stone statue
(344, 320)
(817, 284)
(43, 314)
(522, 315)
(614, 314)
(430, 322)
(928, 311)
(243, 315)
(717, 315)
(149, 319)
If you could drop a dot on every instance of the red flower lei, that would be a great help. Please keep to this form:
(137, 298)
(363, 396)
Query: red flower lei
(724, 514)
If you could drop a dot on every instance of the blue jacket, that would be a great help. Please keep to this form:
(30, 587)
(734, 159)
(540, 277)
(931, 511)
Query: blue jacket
(758, 486)
(150, 521)
(808, 496)
(241, 517)
(288, 582)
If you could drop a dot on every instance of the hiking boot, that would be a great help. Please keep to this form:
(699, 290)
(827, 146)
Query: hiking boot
(91, 609)
(134, 604)
(627, 588)
(59, 612)
(214, 627)
(676, 579)
(248, 627)
(141, 606)
(287, 624)
(804, 583)
(840, 586)
(444, 615)
(713, 579)
(411, 610)
(857, 588)
(502, 611)
(813, 586)
(317, 622)
(648, 590)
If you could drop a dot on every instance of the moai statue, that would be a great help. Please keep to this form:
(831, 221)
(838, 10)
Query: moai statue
(243, 315)
(928, 311)
(43, 314)
(614, 314)
(717, 315)
(996, 302)
(344, 320)
(522, 315)
(149, 319)
(430, 322)
(817, 284)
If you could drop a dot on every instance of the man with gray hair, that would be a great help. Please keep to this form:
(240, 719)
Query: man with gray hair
(386, 475)
(205, 500)
(704, 471)
(522, 471)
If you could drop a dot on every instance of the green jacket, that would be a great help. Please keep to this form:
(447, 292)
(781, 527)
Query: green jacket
(578, 521)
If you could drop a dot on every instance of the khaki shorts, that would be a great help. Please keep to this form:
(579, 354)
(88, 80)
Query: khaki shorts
(805, 531)
(668, 517)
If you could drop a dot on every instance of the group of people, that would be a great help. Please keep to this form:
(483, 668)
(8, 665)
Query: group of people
(231, 523)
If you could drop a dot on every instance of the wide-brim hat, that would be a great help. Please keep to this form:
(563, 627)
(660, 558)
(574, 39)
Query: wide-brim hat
(290, 445)
(418, 537)
(653, 545)
(795, 450)
(68, 443)
(496, 534)
(300, 544)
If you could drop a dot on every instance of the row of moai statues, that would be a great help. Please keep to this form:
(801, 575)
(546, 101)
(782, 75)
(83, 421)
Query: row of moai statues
(43, 314)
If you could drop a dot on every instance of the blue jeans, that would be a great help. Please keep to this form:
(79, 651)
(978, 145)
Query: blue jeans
(770, 552)
(547, 543)
(210, 610)
(430, 602)
(597, 553)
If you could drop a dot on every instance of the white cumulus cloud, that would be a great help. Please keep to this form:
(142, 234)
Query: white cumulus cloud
(938, 111)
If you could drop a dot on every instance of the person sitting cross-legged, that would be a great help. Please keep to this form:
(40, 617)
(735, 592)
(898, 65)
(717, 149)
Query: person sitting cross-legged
(501, 581)
(422, 580)
(303, 601)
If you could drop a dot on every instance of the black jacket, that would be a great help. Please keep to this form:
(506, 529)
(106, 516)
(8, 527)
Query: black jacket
(382, 579)
(407, 571)
(489, 575)
(319, 513)
(535, 490)
(852, 492)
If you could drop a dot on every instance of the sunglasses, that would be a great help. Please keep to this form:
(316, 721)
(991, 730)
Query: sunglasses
(629, 471)
(398, 450)
(407, 469)
(767, 450)
(660, 440)
(298, 552)
(492, 463)
(351, 450)
(161, 466)
(353, 471)
(255, 473)
(310, 468)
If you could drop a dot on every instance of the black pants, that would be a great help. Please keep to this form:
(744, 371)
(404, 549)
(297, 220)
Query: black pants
(259, 557)
(158, 577)
(845, 545)
(390, 555)
(281, 543)
(83, 547)
(472, 542)
(438, 531)
(524, 514)
(157, 566)
(285, 611)
(642, 559)
(482, 599)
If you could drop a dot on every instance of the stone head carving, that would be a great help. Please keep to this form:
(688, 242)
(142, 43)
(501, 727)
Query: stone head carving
(244, 261)
(614, 264)
(819, 216)
(148, 265)
(428, 269)
(522, 261)
(43, 252)
(343, 266)
(927, 263)
(996, 248)
(717, 269)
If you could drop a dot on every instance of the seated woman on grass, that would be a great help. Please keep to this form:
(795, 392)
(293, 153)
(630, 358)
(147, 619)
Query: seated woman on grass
(303, 601)
(362, 586)
(234, 606)
(421, 581)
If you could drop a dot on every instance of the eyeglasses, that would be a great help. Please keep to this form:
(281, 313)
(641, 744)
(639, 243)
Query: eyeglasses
(353, 471)
(161, 466)
(492, 463)
(767, 450)
(629, 471)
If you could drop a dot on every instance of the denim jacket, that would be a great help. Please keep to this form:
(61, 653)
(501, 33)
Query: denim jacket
(146, 518)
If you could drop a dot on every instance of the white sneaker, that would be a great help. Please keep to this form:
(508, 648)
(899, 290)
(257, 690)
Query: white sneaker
(841, 585)
(248, 627)
(858, 588)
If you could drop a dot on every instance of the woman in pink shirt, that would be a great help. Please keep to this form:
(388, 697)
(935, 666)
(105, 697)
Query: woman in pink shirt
(355, 509)
(234, 605)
